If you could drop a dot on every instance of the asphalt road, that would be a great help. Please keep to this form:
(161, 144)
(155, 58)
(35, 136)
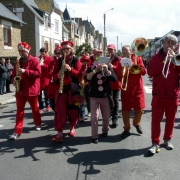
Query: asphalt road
(34, 157)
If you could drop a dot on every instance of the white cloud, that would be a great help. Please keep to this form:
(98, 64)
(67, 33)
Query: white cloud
(129, 19)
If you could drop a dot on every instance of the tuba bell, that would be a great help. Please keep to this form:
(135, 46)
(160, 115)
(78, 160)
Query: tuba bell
(139, 45)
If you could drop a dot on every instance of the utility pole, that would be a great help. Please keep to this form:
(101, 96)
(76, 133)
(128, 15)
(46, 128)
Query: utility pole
(117, 44)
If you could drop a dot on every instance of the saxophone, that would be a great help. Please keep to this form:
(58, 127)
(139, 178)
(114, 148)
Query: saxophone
(17, 78)
(82, 83)
(61, 84)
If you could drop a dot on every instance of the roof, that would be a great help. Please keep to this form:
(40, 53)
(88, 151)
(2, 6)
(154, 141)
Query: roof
(32, 3)
(6, 13)
(65, 29)
(28, 4)
(66, 15)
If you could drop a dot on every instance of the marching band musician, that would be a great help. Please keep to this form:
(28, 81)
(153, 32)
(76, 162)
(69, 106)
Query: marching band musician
(85, 60)
(64, 107)
(30, 72)
(44, 60)
(133, 96)
(99, 76)
(52, 85)
(115, 86)
(164, 93)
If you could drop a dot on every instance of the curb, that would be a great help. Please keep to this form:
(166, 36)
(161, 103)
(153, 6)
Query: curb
(8, 101)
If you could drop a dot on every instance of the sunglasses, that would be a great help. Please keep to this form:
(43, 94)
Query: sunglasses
(57, 53)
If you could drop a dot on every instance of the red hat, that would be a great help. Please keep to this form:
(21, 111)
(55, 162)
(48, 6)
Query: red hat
(111, 46)
(67, 43)
(24, 46)
(96, 51)
(58, 48)
(85, 58)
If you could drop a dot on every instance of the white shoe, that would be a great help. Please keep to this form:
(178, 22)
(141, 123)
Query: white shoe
(38, 128)
(14, 136)
(154, 149)
(168, 145)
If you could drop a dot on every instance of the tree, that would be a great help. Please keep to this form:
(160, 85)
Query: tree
(119, 53)
(84, 48)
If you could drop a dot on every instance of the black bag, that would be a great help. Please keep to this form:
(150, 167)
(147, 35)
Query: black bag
(111, 101)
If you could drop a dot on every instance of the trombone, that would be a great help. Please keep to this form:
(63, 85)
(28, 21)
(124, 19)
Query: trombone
(125, 78)
(175, 60)
(126, 63)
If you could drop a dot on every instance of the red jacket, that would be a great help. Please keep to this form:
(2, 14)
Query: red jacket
(75, 72)
(116, 63)
(51, 66)
(135, 83)
(30, 80)
(161, 86)
(44, 81)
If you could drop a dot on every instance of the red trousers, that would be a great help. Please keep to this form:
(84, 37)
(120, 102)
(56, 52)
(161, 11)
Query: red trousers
(159, 107)
(20, 103)
(65, 109)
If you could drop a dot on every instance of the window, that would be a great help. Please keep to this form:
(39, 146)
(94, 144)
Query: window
(56, 44)
(56, 26)
(7, 36)
(46, 45)
(46, 21)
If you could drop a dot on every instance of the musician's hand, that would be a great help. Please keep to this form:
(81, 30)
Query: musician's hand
(41, 64)
(98, 68)
(67, 67)
(105, 67)
(171, 54)
(21, 71)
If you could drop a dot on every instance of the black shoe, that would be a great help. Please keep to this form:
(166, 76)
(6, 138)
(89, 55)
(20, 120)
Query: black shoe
(114, 124)
(95, 141)
(139, 129)
(4, 92)
(104, 134)
(125, 134)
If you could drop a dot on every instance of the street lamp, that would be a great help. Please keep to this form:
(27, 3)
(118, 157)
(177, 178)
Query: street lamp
(105, 29)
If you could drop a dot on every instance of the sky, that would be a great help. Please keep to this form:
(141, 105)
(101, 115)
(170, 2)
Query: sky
(129, 19)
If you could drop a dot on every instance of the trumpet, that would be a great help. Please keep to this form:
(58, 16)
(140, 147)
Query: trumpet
(139, 45)
(175, 60)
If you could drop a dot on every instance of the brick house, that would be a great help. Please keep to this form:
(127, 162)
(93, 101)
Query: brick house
(10, 33)
(44, 26)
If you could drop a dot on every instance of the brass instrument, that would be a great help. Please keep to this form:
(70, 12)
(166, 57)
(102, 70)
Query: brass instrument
(139, 46)
(175, 60)
(82, 83)
(61, 84)
(17, 78)
(125, 75)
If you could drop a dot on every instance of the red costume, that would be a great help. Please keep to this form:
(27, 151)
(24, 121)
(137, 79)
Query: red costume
(65, 107)
(29, 89)
(165, 96)
(133, 97)
(44, 81)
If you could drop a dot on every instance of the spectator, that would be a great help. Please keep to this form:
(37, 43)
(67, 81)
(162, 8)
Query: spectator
(9, 74)
(3, 76)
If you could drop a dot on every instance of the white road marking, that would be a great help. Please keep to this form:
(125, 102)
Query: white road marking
(1, 126)
(148, 89)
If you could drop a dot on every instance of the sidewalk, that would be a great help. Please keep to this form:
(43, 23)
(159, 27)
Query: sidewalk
(9, 97)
